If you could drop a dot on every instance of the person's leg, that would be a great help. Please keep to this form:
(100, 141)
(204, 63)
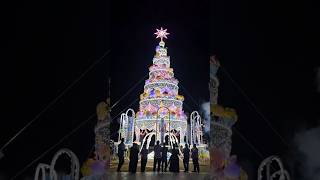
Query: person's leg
(145, 164)
(159, 163)
(154, 164)
(185, 166)
(194, 165)
(162, 164)
(166, 165)
(177, 165)
(198, 168)
(130, 166)
(141, 165)
(134, 168)
(121, 159)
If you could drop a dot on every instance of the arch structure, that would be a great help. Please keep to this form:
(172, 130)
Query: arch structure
(147, 139)
(43, 168)
(278, 173)
(127, 127)
(266, 164)
(143, 132)
(133, 129)
(196, 125)
(75, 167)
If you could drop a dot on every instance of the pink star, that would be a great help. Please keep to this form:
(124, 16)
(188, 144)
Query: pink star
(162, 33)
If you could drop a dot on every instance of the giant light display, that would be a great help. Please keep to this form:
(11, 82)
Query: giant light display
(161, 115)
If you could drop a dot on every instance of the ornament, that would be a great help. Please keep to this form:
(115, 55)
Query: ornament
(161, 33)
(158, 94)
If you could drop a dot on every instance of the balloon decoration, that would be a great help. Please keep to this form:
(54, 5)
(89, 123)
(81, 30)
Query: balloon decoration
(220, 111)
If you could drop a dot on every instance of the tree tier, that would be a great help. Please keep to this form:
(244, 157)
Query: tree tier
(155, 102)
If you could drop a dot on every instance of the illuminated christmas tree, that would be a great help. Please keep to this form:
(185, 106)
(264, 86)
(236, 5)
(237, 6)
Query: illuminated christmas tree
(161, 107)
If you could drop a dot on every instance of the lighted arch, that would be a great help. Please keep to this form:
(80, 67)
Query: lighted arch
(75, 167)
(278, 173)
(42, 168)
(146, 139)
(123, 120)
(133, 123)
(132, 111)
(266, 163)
(195, 122)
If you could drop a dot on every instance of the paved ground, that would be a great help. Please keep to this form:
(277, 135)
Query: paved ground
(157, 176)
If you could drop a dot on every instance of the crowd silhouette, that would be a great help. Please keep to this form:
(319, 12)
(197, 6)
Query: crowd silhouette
(160, 159)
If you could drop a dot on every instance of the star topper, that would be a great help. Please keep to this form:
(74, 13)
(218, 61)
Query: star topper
(161, 33)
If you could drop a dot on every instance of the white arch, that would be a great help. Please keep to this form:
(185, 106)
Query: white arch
(132, 111)
(278, 173)
(266, 163)
(194, 114)
(74, 164)
(123, 118)
(43, 167)
(146, 139)
(133, 123)
(197, 129)
(174, 137)
(195, 121)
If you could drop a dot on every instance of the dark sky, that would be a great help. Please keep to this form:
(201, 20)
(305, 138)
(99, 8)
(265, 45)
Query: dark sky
(267, 48)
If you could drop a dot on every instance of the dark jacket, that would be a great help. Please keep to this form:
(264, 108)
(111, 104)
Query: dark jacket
(144, 153)
(164, 152)
(194, 153)
(121, 149)
(186, 153)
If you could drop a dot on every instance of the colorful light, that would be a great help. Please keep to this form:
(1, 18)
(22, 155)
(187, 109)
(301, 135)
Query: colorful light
(161, 33)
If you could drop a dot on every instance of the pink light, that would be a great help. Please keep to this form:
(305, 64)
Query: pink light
(161, 33)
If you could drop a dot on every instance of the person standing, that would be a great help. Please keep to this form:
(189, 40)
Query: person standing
(121, 151)
(186, 157)
(174, 160)
(157, 156)
(195, 158)
(144, 158)
(164, 160)
(134, 155)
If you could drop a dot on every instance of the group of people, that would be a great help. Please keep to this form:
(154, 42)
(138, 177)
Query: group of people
(160, 157)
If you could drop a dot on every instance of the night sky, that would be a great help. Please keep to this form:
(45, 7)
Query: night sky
(266, 47)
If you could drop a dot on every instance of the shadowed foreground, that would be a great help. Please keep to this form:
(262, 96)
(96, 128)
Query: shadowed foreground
(151, 176)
